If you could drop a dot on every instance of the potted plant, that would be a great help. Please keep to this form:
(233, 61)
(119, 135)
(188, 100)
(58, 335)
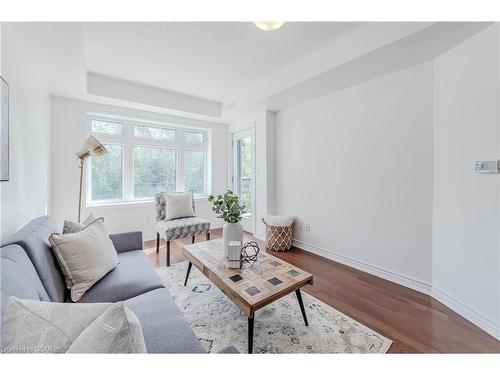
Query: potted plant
(230, 209)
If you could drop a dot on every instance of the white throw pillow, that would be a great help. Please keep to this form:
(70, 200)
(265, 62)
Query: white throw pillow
(117, 330)
(281, 220)
(179, 205)
(85, 257)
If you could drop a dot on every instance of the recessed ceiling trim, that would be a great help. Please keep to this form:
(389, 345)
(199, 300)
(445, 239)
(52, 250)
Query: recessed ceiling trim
(110, 87)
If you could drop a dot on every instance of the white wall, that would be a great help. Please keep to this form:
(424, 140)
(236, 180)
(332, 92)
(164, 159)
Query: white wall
(383, 173)
(25, 195)
(69, 131)
(357, 166)
(466, 248)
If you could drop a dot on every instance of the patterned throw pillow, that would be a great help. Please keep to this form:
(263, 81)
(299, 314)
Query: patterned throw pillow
(31, 326)
(117, 330)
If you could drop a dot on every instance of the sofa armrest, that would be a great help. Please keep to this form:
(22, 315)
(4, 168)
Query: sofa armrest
(127, 241)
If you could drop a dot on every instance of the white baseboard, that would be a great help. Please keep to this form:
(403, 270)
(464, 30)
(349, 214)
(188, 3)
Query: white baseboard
(409, 282)
(149, 236)
(260, 236)
(473, 316)
(460, 308)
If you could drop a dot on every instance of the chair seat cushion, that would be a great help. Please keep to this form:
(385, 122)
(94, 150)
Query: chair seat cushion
(165, 328)
(134, 275)
(180, 228)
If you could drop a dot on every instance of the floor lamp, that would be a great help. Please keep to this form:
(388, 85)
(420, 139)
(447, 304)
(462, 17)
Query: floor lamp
(91, 147)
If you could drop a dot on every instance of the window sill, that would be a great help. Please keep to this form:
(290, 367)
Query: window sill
(137, 203)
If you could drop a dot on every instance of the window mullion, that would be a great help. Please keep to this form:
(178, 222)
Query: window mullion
(128, 170)
(181, 184)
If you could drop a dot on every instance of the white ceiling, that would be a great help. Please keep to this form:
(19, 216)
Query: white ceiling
(209, 60)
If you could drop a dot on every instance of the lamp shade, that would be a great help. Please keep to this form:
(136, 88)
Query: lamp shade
(91, 147)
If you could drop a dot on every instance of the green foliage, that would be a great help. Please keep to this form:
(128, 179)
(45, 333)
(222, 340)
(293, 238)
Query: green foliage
(154, 170)
(194, 171)
(107, 174)
(227, 207)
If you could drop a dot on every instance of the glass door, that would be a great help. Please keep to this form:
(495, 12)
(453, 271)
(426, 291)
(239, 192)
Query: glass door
(243, 175)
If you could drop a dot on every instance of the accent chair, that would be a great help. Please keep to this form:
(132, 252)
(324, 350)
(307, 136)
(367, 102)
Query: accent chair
(176, 228)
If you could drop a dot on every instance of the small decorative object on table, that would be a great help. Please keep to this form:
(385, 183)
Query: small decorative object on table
(229, 208)
(279, 231)
(249, 254)
(234, 256)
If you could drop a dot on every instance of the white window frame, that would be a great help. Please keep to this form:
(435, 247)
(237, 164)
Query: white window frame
(128, 140)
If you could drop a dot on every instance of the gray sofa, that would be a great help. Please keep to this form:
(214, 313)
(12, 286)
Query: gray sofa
(30, 271)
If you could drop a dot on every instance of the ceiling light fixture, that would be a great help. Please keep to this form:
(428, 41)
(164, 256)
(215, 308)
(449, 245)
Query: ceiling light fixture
(268, 25)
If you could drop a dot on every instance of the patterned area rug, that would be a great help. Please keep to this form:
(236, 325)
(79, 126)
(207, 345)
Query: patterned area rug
(279, 327)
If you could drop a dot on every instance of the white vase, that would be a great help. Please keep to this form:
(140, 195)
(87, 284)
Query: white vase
(232, 232)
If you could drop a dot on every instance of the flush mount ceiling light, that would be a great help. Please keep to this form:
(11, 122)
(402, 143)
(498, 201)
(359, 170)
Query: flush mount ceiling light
(268, 25)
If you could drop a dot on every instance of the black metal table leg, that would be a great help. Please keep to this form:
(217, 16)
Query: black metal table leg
(301, 304)
(168, 253)
(188, 272)
(250, 334)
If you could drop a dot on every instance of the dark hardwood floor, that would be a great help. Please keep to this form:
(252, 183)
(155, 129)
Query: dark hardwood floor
(414, 321)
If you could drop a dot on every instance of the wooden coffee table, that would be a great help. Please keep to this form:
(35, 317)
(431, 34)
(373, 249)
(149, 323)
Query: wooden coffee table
(250, 288)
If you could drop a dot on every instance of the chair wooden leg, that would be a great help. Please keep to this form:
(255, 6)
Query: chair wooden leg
(168, 253)
(208, 236)
(157, 242)
(192, 239)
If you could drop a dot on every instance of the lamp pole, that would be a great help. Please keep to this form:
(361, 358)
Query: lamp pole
(82, 162)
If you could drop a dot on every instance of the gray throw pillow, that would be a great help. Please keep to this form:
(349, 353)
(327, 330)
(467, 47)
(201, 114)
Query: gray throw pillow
(72, 227)
(85, 257)
(117, 330)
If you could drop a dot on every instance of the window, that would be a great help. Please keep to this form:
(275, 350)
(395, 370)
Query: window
(145, 158)
(107, 174)
(193, 137)
(155, 169)
(156, 133)
(106, 127)
(194, 171)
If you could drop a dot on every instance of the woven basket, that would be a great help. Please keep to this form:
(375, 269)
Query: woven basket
(278, 238)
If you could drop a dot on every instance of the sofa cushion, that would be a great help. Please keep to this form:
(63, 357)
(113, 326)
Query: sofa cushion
(164, 327)
(127, 241)
(19, 277)
(133, 275)
(34, 239)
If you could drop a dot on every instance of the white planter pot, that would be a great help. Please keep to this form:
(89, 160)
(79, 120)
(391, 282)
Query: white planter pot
(232, 232)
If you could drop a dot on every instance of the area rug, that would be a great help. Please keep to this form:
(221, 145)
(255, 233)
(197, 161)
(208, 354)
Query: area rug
(279, 327)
